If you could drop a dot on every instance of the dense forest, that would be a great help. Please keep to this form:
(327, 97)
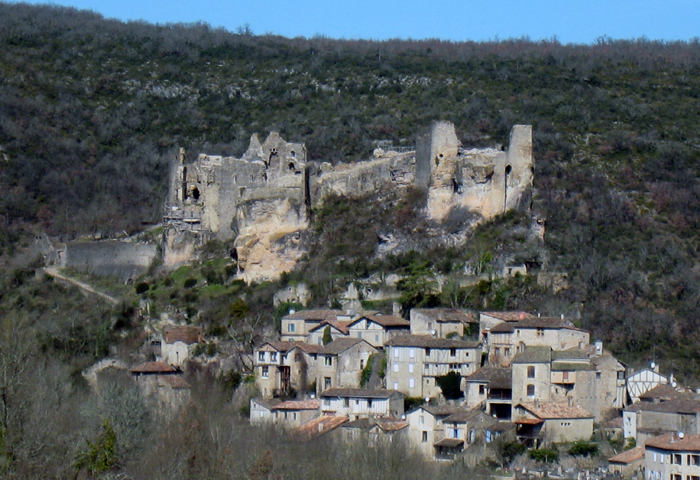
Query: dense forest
(92, 112)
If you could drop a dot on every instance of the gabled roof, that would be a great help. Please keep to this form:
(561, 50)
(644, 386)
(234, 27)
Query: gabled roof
(386, 424)
(509, 316)
(342, 327)
(672, 441)
(298, 405)
(427, 341)
(467, 416)
(318, 426)
(439, 410)
(386, 321)
(687, 403)
(494, 377)
(447, 315)
(359, 393)
(570, 354)
(288, 346)
(637, 453)
(187, 334)
(314, 315)
(268, 403)
(663, 393)
(339, 345)
(555, 410)
(534, 355)
(551, 323)
(154, 367)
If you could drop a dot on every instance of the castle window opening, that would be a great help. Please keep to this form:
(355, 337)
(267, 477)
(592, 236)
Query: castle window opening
(195, 193)
(293, 153)
(291, 165)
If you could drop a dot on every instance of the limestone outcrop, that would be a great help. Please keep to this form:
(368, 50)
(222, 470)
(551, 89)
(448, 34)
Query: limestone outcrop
(262, 200)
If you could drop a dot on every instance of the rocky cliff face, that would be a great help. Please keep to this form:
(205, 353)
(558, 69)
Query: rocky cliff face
(262, 200)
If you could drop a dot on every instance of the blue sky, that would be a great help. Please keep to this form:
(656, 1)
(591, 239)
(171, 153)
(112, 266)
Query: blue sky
(570, 21)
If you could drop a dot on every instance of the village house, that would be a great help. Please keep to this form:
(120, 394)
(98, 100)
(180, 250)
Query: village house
(416, 361)
(672, 456)
(426, 426)
(282, 366)
(297, 325)
(490, 388)
(335, 328)
(178, 343)
(442, 322)
(340, 363)
(645, 420)
(465, 428)
(378, 329)
(261, 410)
(375, 431)
(488, 320)
(294, 413)
(638, 383)
(627, 464)
(558, 333)
(362, 403)
(316, 427)
(162, 384)
(544, 423)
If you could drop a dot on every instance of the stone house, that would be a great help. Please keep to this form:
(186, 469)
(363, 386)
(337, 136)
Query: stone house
(294, 413)
(468, 428)
(337, 330)
(645, 420)
(627, 464)
(488, 320)
(282, 366)
(362, 403)
(552, 422)
(162, 384)
(426, 426)
(179, 342)
(638, 383)
(491, 388)
(416, 361)
(378, 329)
(340, 363)
(375, 431)
(441, 322)
(261, 410)
(673, 456)
(558, 333)
(532, 375)
(297, 325)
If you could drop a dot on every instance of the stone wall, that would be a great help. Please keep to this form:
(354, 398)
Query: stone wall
(124, 260)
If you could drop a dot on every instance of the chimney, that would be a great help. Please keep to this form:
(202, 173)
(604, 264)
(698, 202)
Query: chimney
(571, 401)
(562, 316)
(537, 403)
(598, 347)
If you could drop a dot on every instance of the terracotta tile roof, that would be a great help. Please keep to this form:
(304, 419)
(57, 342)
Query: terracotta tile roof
(449, 442)
(554, 410)
(672, 441)
(614, 423)
(687, 403)
(447, 315)
(187, 334)
(388, 321)
(359, 393)
(154, 367)
(175, 382)
(288, 346)
(570, 354)
(339, 345)
(299, 405)
(529, 421)
(387, 424)
(427, 341)
(534, 355)
(637, 453)
(663, 392)
(342, 327)
(505, 327)
(509, 316)
(494, 377)
(571, 366)
(318, 426)
(317, 315)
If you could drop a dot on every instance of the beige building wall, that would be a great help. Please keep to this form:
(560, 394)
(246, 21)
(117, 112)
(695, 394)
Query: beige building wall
(423, 431)
(536, 375)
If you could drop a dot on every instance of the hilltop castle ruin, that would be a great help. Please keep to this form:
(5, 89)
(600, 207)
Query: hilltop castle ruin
(262, 200)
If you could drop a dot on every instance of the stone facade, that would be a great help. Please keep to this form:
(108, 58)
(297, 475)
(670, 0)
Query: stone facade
(262, 200)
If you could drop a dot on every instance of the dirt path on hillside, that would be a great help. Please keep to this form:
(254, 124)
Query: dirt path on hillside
(83, 286)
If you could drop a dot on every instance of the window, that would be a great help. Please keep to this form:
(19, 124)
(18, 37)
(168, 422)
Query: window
(369, 403)
(453, 352)
(506, 352)
(620, 375)
(565, 376)
(517, 332)
(430, 325)
(346, 402)
(421, 420)
(261, 356)
(424, 437)
(411, 383)
(285, 415)
(294, 415)
(376, 338)
(427, 352)
(411, 352)
(497, 351)
(396, 367)
(530, 372)
(410, 368)
(290, 328)
(530, 390)
(262, 414)
(326, 402)
(396, 385)
(677, 459)
(694, 460)
(265, 372)
(359, 334)
(676, 476)
(454, 366)
(327, 382)
(396, 352)
(426, 367)
(540, 332)
(565, 424)
(482, 389)
(273, 356)
(328, 361)
(598, 375)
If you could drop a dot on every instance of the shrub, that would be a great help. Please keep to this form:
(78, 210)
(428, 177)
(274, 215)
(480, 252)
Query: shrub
(190, 282)
(583, 448)
(450, 385)
(548, 455)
